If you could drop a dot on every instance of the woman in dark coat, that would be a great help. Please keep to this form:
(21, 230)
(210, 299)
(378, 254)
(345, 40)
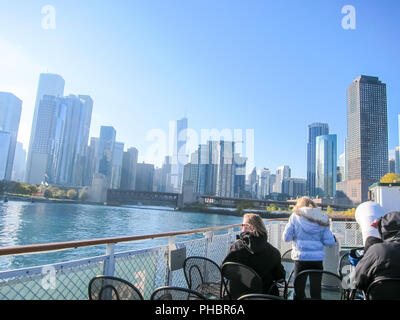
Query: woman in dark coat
(253, 250)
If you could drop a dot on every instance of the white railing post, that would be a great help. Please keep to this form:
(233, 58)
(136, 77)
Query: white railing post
(109, 265)
(171, 243)
(208, 236)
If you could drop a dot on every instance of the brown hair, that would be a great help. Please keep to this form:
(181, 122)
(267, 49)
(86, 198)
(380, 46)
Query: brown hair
(304, 202)
(255, 221)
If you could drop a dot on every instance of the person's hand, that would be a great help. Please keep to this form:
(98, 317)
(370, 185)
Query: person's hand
(374, 223)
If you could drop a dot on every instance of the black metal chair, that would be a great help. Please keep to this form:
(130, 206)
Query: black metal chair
(240, 280)
(288, 263)
(344, 269)
(204, 276)
(384, 288)
(176, 293)
(318, 285)
(112, 288)
(259, 296)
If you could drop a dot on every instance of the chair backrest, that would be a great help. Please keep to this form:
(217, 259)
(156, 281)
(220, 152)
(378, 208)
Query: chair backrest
(203, 275)
(384, 289)
(241, 279)
(176, 293)
(288, 263)
(259, 296)
(344, 264)
(112, 288)
(330, 284)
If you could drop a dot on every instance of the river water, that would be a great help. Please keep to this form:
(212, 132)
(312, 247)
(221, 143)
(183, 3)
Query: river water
(23, 223)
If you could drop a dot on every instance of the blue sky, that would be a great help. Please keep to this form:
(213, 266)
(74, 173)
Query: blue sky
(270, 66)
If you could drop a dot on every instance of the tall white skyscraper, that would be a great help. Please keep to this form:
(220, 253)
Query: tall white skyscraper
(264, 190)
(10, 114)
(116, 170)
(52, 85)
(179, 153)
(282, 172)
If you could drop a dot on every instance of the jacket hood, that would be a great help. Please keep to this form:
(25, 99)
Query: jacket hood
(314, 219)
(252, 242)
(389, 226)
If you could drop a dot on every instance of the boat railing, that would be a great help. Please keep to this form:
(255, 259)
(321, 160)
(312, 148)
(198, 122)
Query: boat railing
(147, 268)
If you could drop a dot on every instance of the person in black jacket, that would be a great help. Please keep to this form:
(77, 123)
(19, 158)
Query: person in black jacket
(252, 249)
(381, 256)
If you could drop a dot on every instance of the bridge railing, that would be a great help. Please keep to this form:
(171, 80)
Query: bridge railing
(147, 268)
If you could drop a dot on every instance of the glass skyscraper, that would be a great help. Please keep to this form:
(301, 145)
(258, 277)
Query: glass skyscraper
(52, 85)
(106, 151)
(10, 114)
(59, 146)
(326, 165)
(367, 136)
(314, 130)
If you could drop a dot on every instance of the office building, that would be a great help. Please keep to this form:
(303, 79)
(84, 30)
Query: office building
(367, 136)
(282, 172)
(264, 188)
(326, 165)
(314, 130)
(294, 187)
(144, 177)
(18, 172)
(240, 176)
(51, 85)
(10, 114)
(129, 163)
(179, 154)
(116, 170)
(106, 151)
(226, 169)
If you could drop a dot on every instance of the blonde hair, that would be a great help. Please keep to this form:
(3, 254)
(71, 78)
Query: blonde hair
(255, 221)
(304, 202)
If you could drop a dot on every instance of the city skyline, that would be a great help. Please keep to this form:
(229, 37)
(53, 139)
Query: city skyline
(218, 73)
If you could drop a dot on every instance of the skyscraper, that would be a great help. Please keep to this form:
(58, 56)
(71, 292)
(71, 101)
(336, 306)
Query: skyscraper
(10, 114)
(19, 163)
(144, 177)
(314, 130)
(129, 163)
(52, 85)
(91, 161)
(226, 169)
(397, 160)
(72, 131)
(326, 165)
(240, 176)
(367, 136)
(264, 190)
(179, 156)
(282, 172)
(116, 169)
(106, 151)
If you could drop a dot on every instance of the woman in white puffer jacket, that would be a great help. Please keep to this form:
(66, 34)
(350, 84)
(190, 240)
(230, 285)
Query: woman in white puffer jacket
(308, 228)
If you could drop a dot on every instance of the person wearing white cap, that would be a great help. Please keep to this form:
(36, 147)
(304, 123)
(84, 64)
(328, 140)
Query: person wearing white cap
(366, 214)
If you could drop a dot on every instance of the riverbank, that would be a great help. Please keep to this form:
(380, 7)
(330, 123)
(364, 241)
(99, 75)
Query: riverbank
(234, 212)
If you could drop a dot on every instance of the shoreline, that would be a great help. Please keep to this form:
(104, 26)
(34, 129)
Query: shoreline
(212, 210)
